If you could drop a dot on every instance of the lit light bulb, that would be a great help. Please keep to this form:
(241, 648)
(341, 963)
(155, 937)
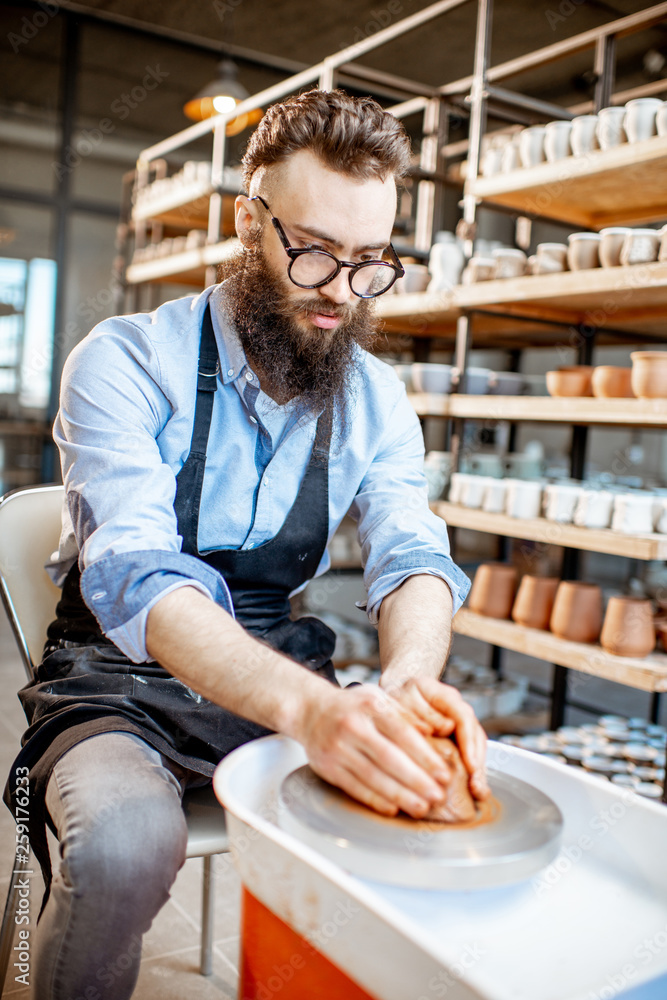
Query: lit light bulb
(223, 104)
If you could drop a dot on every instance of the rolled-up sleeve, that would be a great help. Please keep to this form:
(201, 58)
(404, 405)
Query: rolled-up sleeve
(399, 535)
(120, 490)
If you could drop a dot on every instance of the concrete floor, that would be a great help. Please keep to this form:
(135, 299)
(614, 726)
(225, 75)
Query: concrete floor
(170, 963)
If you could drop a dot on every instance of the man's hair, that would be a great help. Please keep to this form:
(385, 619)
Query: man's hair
(350, 134)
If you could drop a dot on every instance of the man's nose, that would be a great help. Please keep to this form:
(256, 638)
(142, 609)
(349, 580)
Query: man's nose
(338, 290)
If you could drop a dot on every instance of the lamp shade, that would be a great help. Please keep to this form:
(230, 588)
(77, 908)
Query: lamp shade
(220, 96)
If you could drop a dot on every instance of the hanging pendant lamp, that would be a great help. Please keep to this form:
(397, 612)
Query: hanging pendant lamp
(221, 96)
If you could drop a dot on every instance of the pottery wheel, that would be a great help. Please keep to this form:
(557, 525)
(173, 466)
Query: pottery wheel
(516, 834)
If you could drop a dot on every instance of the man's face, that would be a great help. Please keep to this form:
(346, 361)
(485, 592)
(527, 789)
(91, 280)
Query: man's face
(322, 209)
(302, 341)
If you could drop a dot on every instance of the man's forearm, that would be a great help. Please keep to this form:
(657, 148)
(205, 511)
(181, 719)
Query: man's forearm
(202, 645)
(415, 629)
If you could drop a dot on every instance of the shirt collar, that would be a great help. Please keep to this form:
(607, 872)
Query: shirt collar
(233, 362)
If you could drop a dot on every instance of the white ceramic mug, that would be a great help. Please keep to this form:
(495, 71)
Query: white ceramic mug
(610, 131)
(531, 145)
(557, 140)
(560, 501)
(524, 498)
(495, 498)
(640, 246)
(583, 137)
(594, 509)
(457, 485)
(511, 159)
(473, 492)
(633, 513)
(611, 244)
(640, 118)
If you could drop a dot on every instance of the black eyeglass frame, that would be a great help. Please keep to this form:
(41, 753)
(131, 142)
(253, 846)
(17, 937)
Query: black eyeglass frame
(295, 252)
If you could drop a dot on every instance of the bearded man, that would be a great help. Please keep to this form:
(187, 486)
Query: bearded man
(210, 450)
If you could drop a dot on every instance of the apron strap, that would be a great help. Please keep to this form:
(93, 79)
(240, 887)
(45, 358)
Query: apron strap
(189, 480)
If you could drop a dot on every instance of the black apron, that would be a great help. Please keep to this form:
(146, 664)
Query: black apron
(85, 685)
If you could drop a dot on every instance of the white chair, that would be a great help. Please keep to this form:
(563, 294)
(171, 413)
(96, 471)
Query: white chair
(30, 522)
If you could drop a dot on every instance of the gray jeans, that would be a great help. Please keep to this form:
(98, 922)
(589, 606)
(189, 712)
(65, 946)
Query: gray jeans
(116, 804)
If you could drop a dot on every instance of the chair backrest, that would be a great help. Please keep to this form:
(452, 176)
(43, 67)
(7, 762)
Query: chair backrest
(30, 525)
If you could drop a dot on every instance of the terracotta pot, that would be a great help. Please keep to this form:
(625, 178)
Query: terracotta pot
(610, 382)
(573, 380)
(534, 601)
(493, 589)
(628, 628)
(577, 611)
(649, 374)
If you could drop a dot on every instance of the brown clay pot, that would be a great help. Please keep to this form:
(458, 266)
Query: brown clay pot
(610, 382)
(577, 611)
(534, 601)
(628, 628)
(570, 380)
(493, 589)
(649, 374)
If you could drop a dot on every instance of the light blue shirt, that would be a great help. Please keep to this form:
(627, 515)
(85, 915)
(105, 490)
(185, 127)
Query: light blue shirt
(124, 429)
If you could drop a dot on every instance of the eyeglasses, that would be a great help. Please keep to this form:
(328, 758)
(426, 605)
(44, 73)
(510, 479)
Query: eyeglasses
(314, 268)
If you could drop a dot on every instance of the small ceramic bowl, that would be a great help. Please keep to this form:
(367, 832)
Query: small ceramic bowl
(570, 381)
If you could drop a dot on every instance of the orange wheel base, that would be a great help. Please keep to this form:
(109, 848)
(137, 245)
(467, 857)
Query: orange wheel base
(276, 962)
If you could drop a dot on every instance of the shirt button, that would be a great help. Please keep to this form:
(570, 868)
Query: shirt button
(249, 376)
(99, 595)
(253, 420)
(267, 480)
(230, 372)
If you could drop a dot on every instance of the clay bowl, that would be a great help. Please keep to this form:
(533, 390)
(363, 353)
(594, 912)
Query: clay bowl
(610, 382)
(534, 601)
(577, 611)
(628, 628)
(649, 374)
(493, 589)
(573, 380)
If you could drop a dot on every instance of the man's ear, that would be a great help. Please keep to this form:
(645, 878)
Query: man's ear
(246, 218)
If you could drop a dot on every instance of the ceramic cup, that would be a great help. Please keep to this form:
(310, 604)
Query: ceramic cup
(577, 611)
(640, 118)
(492, 160)
(557, 140)
(628, 628)
(534, 601)
(554, 252)
(573, 380)
(457, 486)
(583, 137)
(560, 501)
(649, 374)
(640, 246)
(472, 494)
(531, 145)
(479, 269)
(611, 244)
(524, 498)
(493, 589)
(495, 498)
(430, 377)
(633, 513)
(510, 263)
(612, 382)
(594, 509)
(610, 131)
(661, 119)
(511, 159)
(415, 279)
(476, 381)
(583, 251)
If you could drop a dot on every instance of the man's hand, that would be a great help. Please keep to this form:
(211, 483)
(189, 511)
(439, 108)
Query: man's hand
(371, 745)
(441, 708)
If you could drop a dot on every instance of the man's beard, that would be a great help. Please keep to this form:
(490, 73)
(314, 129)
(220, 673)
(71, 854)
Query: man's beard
(313, 366)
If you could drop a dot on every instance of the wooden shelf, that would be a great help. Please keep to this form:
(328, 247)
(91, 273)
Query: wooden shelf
(617, 186)
(648, 673)
(571, 410)
(187, 268)
(631, 300)
(539, 529)
(185, 207)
